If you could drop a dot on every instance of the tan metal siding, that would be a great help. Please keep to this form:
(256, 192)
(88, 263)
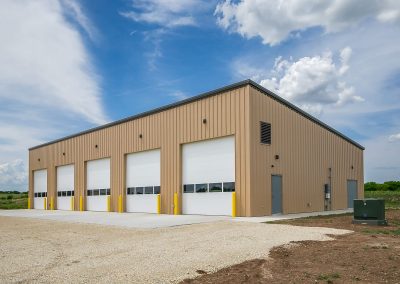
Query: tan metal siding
(227, 114)
(306, 151)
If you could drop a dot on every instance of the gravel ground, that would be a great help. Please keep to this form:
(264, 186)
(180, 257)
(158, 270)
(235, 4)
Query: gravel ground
(33, 250)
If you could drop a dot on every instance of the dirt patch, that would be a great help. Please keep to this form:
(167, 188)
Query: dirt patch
(369, 255)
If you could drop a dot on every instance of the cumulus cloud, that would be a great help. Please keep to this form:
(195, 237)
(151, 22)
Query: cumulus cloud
(312, 82)
(274, 21)
(13, 176)
(167, 13)
(394, 137)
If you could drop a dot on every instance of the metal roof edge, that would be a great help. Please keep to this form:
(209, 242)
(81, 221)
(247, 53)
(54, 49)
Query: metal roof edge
(202, 96)
(146, 113)
(303, 113)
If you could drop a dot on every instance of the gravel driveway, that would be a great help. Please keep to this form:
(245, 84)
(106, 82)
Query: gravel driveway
(33, 250)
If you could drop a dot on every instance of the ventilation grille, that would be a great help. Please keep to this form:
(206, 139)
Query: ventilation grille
(265, 132)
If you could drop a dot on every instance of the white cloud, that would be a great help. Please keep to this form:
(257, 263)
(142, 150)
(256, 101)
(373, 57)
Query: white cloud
(167, 13)
(155, 37)
(75, 10)
(394, 137)
(312, 82)
(48, 85)
(372, 70)
(179, 95)
(274, 21)
(43, 62)
(13, 176)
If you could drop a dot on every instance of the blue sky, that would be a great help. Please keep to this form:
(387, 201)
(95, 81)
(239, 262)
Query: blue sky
(68, 65)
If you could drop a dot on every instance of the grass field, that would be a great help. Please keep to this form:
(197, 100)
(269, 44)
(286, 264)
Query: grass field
(13, 200)
(392, 198)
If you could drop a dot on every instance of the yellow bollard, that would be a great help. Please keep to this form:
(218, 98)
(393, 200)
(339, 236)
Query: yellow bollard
(29, 203)
(81, 203)
(120, 209)
(108, 203)
(45, 203)
(72, 203)
(176, 204)
(52, 203)
(158, 204)
(233, 204)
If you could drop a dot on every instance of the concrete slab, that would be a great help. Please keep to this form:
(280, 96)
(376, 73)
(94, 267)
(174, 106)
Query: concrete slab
(145, 220)
(130, 220)
(277, 217)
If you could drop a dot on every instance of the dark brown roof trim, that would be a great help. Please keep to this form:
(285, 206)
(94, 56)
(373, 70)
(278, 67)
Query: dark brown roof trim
(202, 96)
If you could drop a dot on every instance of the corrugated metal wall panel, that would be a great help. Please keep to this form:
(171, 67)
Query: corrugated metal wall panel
(306, 152)
(305, 149)
(226, 114)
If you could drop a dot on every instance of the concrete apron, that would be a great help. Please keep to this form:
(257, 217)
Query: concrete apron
(146, 220)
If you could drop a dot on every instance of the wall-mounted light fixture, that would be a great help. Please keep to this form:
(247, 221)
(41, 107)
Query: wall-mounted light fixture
(140, 136)
(38, 160)
(204, 120)
(276, 157)
(96, 146)
(352, 167)
(63, 153)
(272, 166)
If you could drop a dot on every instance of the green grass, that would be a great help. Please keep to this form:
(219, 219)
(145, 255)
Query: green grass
(13, 200)
(383, 232)
(328, 277)
(392, 198)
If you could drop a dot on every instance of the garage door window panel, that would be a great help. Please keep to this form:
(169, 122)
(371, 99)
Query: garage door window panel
(215, 187)
(229, 186)
(188, 188)
(200, 188)
(148, 190)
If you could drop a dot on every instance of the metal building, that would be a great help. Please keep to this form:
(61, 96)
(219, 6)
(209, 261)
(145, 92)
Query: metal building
(238, 150)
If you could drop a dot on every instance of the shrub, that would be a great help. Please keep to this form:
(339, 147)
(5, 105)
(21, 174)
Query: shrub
(387, 185)
(9, 197)
(370, 186)
(392, 185)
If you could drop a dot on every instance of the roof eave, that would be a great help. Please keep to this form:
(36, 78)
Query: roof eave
(202, 96)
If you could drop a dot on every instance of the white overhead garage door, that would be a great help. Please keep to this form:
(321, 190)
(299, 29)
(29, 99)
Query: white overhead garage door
(65, 187)
(208, 176)
(142, 181)
(97, 184)
(40, 189)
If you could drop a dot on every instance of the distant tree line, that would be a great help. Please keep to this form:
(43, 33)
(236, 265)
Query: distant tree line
(387, 185)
